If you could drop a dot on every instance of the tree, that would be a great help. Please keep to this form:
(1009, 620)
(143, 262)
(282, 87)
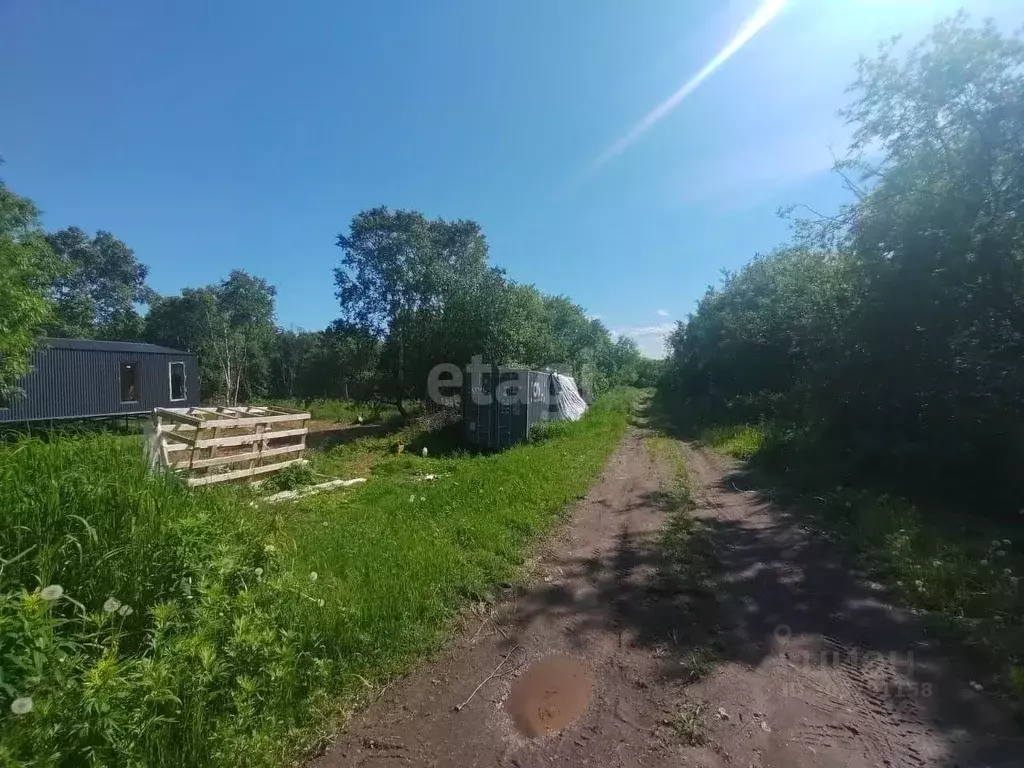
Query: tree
(398, 273)
(28, 267)
(890, 338)
(229, 325)
(101, 283)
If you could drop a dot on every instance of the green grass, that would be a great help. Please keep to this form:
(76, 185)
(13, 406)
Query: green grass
(959, 570)
(249, 628)
(741, 441)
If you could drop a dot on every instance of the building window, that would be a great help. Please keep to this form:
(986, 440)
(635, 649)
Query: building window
(177, 376)
(129, 382)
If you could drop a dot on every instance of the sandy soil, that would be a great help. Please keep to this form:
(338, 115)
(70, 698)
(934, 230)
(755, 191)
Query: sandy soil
(591, 663)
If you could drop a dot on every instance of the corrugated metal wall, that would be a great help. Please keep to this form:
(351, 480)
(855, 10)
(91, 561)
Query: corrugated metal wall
(498, 425)
(79, 383)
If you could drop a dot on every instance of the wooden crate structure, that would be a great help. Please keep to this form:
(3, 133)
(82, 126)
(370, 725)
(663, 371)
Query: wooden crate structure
(217, 445)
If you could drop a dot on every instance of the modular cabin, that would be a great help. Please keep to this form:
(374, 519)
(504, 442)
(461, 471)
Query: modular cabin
(83, 379)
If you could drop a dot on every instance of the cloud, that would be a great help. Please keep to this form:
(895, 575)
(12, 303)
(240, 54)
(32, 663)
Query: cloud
(662, 313)
(767, 11)
(650, 338)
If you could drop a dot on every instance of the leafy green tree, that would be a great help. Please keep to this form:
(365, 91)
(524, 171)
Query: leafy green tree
(28, 267)
(100, 284)
(231, 328)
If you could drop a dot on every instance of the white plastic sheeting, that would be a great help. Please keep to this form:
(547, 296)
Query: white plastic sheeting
(571, 405)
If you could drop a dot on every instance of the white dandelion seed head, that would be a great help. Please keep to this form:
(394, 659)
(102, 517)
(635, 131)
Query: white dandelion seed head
(412, 498)
(52, 592)
(125, 610)
(320, 602)
(270, 548)
(1007, 572)
(977, 686)
(258, 571)
(22, 705)
(313, 576)
(984, 563)
(918, 583)
(112, 605)
(937, 563)
(1001, 553)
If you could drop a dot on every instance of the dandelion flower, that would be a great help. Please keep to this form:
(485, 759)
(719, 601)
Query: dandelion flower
(52, 592)
(313, 576)
(125, 610)
(112, 605)
(22, 705)
(412, 498)
(270, 548)
(259, 572)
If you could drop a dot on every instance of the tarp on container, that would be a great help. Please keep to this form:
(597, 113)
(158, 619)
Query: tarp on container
(571, 405)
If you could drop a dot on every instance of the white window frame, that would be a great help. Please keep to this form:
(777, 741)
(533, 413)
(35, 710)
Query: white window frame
(170, 382)
(135, 374)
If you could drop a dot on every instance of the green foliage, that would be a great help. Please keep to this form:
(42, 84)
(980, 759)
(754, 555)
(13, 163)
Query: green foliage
(231, 328)
(892, 335)
(28, 266)
(200, 628)
(100, 283)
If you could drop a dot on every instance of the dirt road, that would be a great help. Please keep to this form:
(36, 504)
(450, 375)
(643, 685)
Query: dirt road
(594, 662)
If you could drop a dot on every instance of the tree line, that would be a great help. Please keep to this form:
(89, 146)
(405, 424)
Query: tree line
(888, 340)
(413, 292)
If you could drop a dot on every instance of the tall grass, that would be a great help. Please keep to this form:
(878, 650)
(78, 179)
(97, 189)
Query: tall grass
(206, 628)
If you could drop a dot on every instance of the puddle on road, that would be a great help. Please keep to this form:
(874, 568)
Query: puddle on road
(549, 695)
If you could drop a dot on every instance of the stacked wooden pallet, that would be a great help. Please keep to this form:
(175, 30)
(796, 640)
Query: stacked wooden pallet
(210, 444)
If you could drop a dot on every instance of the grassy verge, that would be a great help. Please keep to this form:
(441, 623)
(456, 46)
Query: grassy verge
(687, 564)
(961, 571)
(345, 411)
(143, 624)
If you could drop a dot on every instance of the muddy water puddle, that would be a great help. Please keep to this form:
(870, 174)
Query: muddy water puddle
(549, 695)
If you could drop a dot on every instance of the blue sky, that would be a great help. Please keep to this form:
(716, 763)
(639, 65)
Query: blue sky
(213, 136)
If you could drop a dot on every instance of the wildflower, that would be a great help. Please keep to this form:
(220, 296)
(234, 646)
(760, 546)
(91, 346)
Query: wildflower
(423, 498)
(977, 686)
(1006, 542)
(313, 576)
(937, 563)
(412, 498)
(22, 705)
(270, 548)
(125, 610)
(1001, 553)
(984, 563)
(919, 584)
(52, 592)
(1007, 572)
(259, 572)
(324, 523)
(320, 602)
(113, 605)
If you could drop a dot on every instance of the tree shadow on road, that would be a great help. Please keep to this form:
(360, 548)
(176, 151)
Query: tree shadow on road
(737, 575)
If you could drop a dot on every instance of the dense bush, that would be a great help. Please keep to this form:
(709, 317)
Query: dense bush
(889, 340)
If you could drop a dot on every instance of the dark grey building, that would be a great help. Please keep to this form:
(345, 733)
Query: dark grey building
(81, 378)
(501, 408)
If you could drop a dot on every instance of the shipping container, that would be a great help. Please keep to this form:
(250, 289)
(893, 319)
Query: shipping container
(83, 378)
(501, 407)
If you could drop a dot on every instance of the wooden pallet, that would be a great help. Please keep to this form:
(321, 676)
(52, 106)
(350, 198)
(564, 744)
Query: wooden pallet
(206, 443)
